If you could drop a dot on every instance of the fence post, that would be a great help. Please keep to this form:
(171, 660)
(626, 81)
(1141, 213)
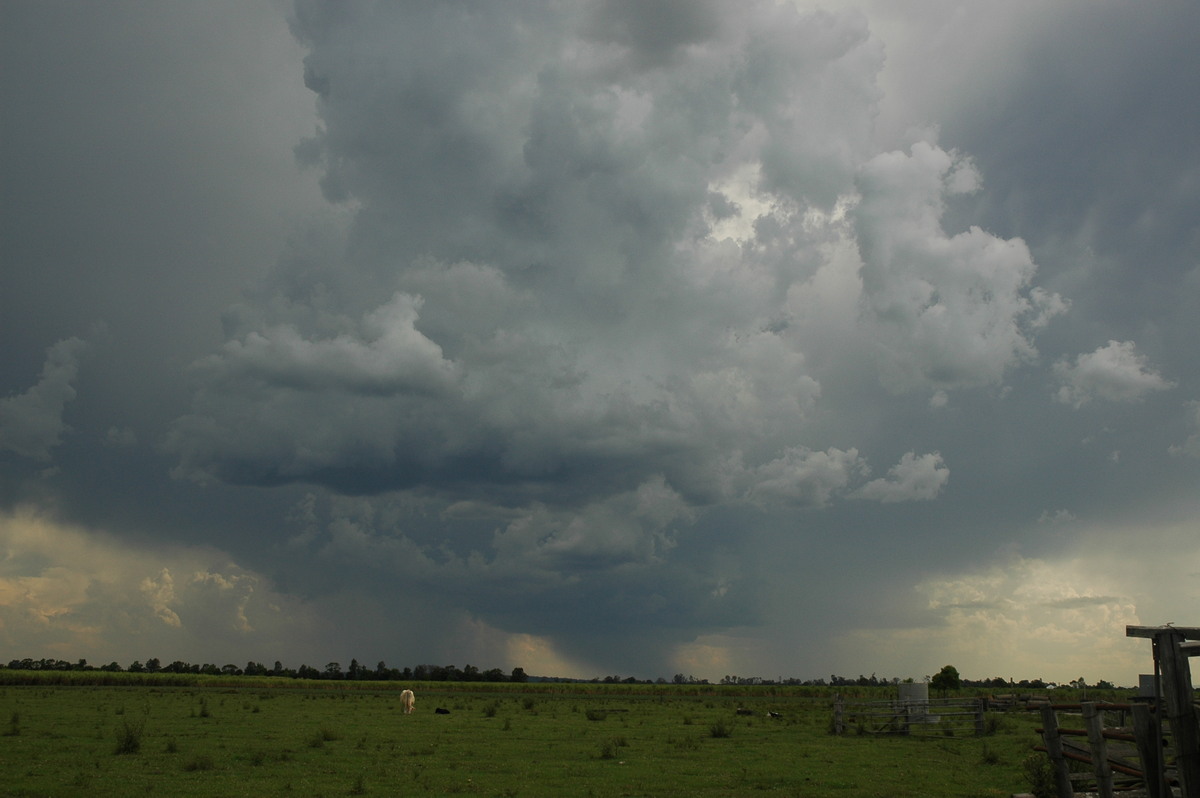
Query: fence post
(838, 726)
(1062, 777)
(1095, 732)
(1177, 696)
(980, 708)
(1149, 748)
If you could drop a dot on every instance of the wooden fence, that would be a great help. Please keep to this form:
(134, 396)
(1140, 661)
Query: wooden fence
(1158, 750)
(946, 717)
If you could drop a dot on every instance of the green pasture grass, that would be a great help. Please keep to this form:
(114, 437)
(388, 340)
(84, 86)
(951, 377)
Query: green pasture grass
(316, 739)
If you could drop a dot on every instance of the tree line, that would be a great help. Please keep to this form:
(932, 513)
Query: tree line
(944, 680)
(331, 671)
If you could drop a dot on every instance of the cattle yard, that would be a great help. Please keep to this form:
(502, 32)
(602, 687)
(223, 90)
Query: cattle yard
(1150, 745)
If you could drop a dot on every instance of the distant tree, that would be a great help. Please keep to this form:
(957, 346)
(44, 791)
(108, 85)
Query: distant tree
(153, 665)
(518, 675)
(946, 679)
(136, 667)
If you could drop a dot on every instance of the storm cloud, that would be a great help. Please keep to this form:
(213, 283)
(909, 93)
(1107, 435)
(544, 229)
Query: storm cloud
(602, 336)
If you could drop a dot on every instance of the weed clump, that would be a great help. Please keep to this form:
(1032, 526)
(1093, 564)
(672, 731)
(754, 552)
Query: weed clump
(199, 762)
(129, 737)
(1041, 776)
(720, 729)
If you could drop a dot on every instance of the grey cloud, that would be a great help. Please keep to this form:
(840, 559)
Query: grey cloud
(31, 423)
(599, 335)
(1191, 446)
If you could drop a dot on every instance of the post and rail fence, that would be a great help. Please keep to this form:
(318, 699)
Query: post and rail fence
(1158, 752)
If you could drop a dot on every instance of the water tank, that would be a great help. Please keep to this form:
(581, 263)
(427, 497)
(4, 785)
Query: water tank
(914, 697)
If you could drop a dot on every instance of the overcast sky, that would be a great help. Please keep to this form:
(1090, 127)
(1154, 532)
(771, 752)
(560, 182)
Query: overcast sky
(631, 337)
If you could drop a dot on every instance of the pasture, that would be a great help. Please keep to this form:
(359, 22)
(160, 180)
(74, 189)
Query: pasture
(267, 738)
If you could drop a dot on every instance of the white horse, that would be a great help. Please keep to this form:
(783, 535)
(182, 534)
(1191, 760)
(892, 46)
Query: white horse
(407, 701)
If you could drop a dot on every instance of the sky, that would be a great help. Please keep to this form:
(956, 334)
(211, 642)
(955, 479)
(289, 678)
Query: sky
(617, 337)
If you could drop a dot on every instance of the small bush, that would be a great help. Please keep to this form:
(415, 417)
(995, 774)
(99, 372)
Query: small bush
(596, 714)
(720, 729)
(609, 749)
(199, 762)
(1040, 775)
(129, 737)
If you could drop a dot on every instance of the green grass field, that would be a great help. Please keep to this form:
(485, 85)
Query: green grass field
(266, 738)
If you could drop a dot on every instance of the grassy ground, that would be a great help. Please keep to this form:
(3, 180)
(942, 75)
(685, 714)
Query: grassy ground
(324, 740)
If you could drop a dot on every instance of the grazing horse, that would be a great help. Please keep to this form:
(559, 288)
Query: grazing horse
(406, 700)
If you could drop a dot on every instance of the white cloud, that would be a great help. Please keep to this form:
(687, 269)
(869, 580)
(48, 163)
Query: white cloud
(805, 478)
(950, 311)
(914, 478)
(1115, 372)
(31, 423)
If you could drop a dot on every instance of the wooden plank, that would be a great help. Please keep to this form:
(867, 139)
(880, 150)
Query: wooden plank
(1146, 731)
(1100, 766)
(1054, 749)
(1187, 632)
(1181, 714)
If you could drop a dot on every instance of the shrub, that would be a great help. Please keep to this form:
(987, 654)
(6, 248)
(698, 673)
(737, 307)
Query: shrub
(199, 762)
(129, 737)
(720, 729)
(1040, 775)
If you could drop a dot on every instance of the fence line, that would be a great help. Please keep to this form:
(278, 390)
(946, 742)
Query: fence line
(946, 717)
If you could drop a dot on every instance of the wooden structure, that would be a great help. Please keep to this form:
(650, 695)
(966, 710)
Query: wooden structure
(1173, 692)
(1160, 751)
